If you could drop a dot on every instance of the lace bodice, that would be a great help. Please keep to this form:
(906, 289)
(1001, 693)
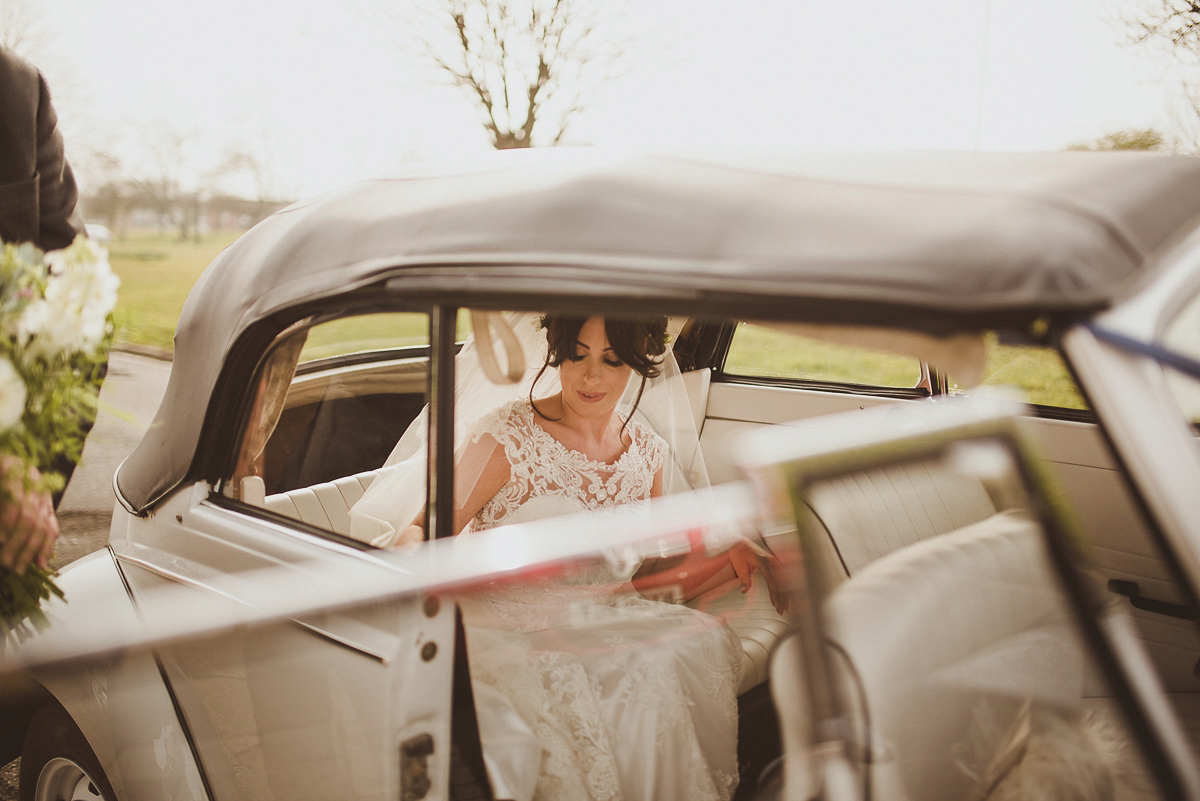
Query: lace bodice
(540, 465)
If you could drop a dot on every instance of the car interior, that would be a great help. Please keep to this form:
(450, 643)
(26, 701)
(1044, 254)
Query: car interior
(879, 533)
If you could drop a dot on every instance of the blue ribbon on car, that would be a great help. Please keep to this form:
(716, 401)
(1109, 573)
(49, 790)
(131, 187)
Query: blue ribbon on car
(1177, 361)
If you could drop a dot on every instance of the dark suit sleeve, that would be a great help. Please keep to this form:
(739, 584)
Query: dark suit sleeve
(57, 193)
(37, 189)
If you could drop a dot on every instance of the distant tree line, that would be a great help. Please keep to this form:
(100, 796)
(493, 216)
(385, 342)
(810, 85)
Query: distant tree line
(1134, 139)
(165, 189)
(123, 205)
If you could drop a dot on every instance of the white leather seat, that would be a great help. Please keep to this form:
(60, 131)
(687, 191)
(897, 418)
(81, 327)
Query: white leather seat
(873, 513)
(324, 505)
(753, 619)
(945, 641)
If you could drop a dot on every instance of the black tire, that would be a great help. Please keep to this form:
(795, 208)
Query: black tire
(57, 754)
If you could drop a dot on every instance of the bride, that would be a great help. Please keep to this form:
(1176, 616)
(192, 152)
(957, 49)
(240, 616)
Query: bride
(584, 688)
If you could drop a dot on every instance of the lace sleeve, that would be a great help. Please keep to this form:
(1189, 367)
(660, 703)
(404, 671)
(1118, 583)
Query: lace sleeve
(500, 425)
(653, 446)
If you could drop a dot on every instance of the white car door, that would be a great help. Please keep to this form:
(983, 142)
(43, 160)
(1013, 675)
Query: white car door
(326, 705)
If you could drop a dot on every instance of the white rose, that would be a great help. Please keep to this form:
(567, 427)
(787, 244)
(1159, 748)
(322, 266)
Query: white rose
(81, 290)
(12, 395)
(82, 251)
(28, 255)
(34, 322)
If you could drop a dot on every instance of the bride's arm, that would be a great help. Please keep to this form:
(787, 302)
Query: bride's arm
(478, 475)
(692, 574)
(696, 573)
(481, 472)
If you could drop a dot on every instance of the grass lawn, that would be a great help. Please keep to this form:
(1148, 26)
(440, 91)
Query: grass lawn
(758, 351)
(157, 272)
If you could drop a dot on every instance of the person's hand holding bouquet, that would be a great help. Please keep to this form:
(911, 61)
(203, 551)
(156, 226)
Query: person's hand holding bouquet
(28, 526)
(55, 324)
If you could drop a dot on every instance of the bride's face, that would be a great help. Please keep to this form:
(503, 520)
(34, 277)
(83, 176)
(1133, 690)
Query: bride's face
(593, 378)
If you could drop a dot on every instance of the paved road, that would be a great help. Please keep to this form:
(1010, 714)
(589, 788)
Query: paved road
(128, 401)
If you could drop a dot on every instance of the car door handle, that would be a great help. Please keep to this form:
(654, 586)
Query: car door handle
(1131, 591)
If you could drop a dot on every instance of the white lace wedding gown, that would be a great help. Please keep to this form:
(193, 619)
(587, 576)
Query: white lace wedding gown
(584, 692)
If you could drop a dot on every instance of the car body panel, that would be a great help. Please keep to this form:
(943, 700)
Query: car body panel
(120, 703)
(358, 669)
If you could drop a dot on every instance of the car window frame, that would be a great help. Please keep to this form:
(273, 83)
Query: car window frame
(216, 456)
(714, 338)
(704, 343)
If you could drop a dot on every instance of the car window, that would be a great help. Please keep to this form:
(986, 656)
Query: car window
(761, 352)
(317, 420)
(338, 442)
(588, 422)
(1038, 371)
(371, 333)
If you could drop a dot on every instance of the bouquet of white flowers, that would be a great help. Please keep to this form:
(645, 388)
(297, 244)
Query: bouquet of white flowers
(55, 326)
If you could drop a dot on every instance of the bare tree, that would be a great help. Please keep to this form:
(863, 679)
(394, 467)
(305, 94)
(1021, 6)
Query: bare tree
(1186, 118)
(244, 170)
(1173, 23)
(1173, 26)
(527, 65)
(109, 199)
(23, 27)
(169, 181)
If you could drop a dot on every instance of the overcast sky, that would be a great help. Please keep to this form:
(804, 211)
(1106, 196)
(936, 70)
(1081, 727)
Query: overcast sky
(326, 91)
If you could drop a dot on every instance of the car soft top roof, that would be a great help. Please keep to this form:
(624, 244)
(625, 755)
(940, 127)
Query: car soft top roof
(982, 237)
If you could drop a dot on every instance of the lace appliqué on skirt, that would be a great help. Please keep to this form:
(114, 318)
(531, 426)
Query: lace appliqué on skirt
(628, 698)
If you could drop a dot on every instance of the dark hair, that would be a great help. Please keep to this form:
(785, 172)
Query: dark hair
(636, 341)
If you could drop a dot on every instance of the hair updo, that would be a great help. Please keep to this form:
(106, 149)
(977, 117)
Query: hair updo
(639, 342)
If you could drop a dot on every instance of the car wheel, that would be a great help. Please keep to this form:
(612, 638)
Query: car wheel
(57, 764)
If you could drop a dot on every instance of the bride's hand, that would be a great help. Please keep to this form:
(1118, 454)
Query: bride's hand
(745, 559)
(412, 535)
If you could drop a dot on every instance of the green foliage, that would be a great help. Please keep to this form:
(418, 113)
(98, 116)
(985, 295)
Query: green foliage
(758, 351)
(1038, 372)
(761, 351)
(21, 598)
(369, 332)
(1143, 139)
(62, 400)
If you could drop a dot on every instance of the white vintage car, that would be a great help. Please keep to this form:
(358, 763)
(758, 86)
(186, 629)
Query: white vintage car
(954, 630)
